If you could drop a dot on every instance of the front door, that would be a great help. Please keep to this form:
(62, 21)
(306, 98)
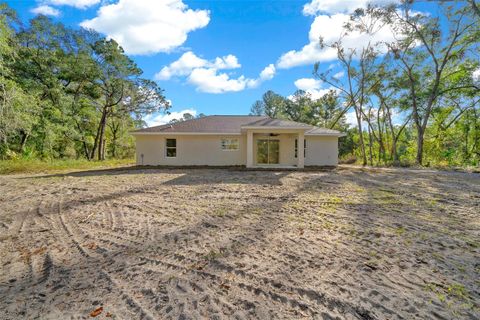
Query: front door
(268, 151)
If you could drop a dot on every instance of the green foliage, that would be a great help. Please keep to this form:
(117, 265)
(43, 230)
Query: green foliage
(418, 103)
(68, 93)
(272, 105)
(325, 111)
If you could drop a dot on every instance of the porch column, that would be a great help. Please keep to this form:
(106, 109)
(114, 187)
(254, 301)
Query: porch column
(300, 152)
(249, 149)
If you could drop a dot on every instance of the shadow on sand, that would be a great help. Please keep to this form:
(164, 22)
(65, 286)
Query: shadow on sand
(192, 175)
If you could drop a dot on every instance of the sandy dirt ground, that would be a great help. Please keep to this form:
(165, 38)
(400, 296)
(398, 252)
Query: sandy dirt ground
(226, 244)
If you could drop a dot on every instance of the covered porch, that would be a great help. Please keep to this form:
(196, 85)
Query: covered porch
(275, 148)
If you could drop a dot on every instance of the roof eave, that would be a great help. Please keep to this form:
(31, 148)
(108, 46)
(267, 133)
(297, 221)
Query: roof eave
(274, 128)
(326, 134)
(184, 133)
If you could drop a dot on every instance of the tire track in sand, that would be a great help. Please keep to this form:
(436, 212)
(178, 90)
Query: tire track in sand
(70, 234)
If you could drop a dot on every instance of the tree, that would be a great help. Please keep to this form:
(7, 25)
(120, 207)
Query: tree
(122, 89)
(60, 88)
(14, 102)
(425, 50)
(359, 69)
(272, 105)
(327, 112)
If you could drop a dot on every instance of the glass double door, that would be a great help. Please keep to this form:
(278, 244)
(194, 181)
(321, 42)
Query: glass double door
(268, 151)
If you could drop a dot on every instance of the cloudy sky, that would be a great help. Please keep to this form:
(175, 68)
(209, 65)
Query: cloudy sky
(219, 56)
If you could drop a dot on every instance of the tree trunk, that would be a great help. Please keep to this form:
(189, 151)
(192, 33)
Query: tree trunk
(114, 128)
(394, 151)
(101, 145)
(25, 136)
(99, 137)
(420, 135)
(104, 146)
(360, 134)
(370, 142)
(114, 142)
(85, 149)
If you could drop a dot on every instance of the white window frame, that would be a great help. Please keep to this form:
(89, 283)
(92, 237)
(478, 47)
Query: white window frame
(167, 148)
(230, 141)
(304, 148)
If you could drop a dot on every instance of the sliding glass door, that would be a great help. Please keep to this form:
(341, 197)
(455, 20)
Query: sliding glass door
(268, 151)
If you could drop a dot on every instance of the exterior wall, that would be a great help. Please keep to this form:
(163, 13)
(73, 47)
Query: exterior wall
(206, 150)
(191, 150)
(321, 151)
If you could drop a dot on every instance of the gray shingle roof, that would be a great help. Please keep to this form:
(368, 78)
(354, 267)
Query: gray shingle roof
(323, 131)
(269, 122)
(231, 124)
(214, 124)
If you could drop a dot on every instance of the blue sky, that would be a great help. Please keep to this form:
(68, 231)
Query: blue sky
(214, 57)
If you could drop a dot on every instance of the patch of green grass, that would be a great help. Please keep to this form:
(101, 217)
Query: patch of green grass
(327, 225)
(336, 200)
(400, 231)
(220, 212)
(330, 203)
(384, 197)
(454, 291)
(424, 236)
(458, 290)
(39, 166)
(256, 211)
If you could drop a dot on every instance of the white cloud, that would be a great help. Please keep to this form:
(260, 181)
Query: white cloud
(210, 81)
(306, 84)
(330, 17)
(476, 75)
(268, 73)
(80, 4)
(329, 28)
(351, 118)
(339, 75)
(311, 86)
(338, 6)
(46, 11)
(148, 26)
(205, 74)
(189, 61)
(227, 62)
(160, 118)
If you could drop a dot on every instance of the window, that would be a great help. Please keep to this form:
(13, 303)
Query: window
(304, 148)
(229, 144)
(171, 148)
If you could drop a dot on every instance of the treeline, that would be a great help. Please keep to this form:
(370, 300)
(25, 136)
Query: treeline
(303, 107)
(415, 98)
(68, 93)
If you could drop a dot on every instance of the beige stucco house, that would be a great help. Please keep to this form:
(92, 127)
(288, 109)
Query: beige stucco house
(251, 141)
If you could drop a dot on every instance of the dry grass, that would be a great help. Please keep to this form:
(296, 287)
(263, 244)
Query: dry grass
(45, 166)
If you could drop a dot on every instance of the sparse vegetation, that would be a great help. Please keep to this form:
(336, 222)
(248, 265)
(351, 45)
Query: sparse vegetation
(199, 233)
(39, 166)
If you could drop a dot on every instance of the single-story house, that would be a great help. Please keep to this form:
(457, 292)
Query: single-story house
(251, 141)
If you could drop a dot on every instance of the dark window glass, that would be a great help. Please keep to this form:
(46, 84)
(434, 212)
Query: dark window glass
(171, 152)
(171, 143)
(171, 148)
(304, 148)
